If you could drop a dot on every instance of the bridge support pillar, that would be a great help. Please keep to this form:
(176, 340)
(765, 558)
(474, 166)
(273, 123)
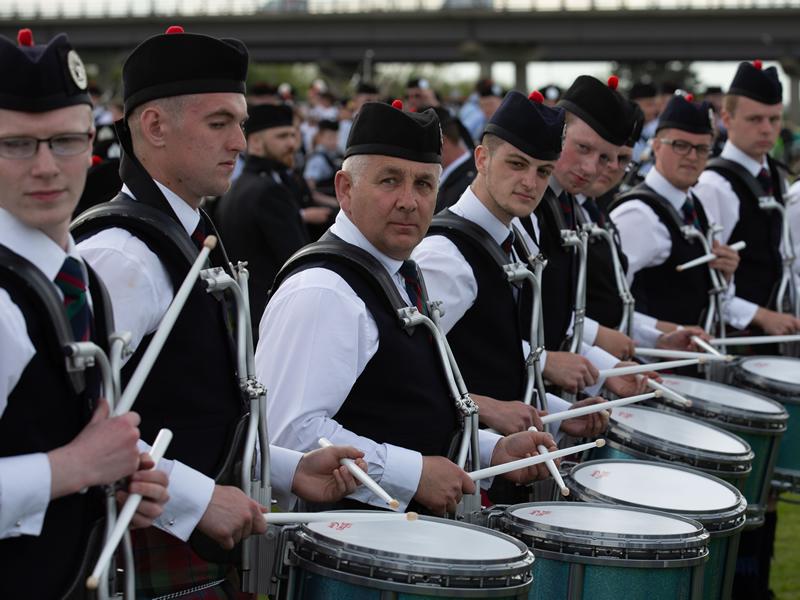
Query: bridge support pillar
(521, 75)
(486, 69)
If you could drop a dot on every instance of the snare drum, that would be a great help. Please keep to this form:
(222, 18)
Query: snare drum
(427, 558)
(642, 433)
(602, 552)
(756, 419)
(779, 378)
(677, 490)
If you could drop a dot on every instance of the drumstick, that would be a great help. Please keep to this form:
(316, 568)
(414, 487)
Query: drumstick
(663, 353)
(551, 466)
(701, 343)
(573, 413)
(363, 477)
(755, 340)
(707, 258)
(165, 327)
(163, 439)
(523, 463)
(667, 392)
(670, 364)
(330, 517)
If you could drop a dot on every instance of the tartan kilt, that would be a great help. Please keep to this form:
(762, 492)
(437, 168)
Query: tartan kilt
(166, 565)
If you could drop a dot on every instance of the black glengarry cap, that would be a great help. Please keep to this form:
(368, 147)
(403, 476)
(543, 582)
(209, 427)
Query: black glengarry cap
(600, 106)
(528, 125)
(268, 116)
(681, 112)
(753, 81)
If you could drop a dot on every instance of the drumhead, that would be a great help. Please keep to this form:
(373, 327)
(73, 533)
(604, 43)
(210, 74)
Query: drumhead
(725, 396)
(676, 429)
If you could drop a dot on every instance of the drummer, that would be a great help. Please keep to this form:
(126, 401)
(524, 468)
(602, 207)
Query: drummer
(184, 107)
(56, 437)
(751, 113)
(331, 350)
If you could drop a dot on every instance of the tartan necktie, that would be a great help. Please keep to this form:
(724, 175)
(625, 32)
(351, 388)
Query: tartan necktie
(765, 180)
(594, 212)
(690, 213)
(72, 284)
(508, 244)
(413, 286)
(199, 234)
(565, 201)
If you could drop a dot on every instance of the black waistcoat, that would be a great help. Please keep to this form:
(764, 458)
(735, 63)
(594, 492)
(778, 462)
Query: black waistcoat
(759, 270)
(661, 291)
(487, 340)
(456, 184)
(559, 278)
(46, 410)
(192, 388)
(603, 303)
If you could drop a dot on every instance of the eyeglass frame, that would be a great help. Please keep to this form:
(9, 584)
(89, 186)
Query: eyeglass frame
(87, 135)
(690, 147)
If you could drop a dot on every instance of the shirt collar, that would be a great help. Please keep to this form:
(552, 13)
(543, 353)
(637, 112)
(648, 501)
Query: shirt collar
(555, 186)
(731, 152)
(189, 217)
(580, 198)
(346, 230)
(664, 188)
(471, 208)
(453, 166)
(34, 245)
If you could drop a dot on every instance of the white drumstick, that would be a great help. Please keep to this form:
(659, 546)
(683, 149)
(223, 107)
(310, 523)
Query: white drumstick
(755, 340)
(363, 477)
(163, 439)
(707, 258)
(165, 327)
(523, 463)
(670, 364)
(667, 392)
(676, 354)
(551, 466)
(573, 413)
(701, 343)
(330, 517)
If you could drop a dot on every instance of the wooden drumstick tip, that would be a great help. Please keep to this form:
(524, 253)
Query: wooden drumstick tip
(565, 492)
(394, 504)
(600, 443)
(92, 582)
(412, 516)
(658, 394)
(210, 242)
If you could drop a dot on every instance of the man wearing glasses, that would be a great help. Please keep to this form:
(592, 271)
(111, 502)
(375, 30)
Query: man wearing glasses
(650, 217)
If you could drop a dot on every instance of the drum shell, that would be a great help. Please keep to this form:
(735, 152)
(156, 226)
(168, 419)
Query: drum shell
(724, 526)
(323, 570)
(762, 431)
(576, 565)
(787, 464)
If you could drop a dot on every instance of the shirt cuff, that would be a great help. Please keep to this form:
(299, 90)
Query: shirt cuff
(556, 404)
(644, 334)
(282, 467)
(189, 495)
(739, 312)
(590, 329)
(487, 441)
(402, 470)
(25, 483)
(601, 360)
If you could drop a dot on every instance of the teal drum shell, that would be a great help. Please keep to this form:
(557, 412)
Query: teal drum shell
(679, 491)
(779, 378)
(427, 558)
(758, 420)
(602, 552)
(640, 433)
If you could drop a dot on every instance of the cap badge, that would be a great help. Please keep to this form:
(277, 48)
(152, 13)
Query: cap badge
(76, 70)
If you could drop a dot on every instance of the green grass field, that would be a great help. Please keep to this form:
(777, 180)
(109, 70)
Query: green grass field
(785, 572)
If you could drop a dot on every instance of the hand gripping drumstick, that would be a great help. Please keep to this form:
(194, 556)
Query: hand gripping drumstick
(273, 518)
(157, 343)
(163, 439)
(363, 477)
(572, 413)
(551, 466)
(523, 463)
(670, 364)
(707, 258)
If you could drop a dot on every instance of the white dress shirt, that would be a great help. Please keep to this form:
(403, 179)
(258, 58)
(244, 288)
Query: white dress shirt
(141, 292)
(315, 339)
(450, 279)
(647, 242)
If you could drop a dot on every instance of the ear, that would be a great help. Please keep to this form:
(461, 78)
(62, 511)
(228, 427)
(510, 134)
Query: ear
(726, 118)
(343, 182)
(154, 126)
(481, 159)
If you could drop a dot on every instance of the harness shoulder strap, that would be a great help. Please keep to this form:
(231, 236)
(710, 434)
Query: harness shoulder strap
(448, 221)
(659, 204)
(731, 171)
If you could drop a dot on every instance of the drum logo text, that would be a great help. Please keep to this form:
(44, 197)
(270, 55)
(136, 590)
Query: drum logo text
(597, 474)
(541, 513)
(339, 526)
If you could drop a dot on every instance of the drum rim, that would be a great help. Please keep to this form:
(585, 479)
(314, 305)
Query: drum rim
(720, 521)
(789, 393)
(697, 456)
(475, 568)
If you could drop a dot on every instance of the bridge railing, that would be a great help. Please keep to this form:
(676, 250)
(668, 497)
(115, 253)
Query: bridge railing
(78, 9)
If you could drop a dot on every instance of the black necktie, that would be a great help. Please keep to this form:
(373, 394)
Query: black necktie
(565, 201)
(591, 208)
(765, 180)
(508, 244)
(72, 284)
(413, 286)
(199, 234)
(690, 213)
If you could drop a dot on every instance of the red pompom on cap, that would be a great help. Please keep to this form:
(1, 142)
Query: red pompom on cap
(96, 160)
(398, 104)
(689, 97)
(536, 96)
(25, 37)
(613, 82)
(174, 29)
(758, 64)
